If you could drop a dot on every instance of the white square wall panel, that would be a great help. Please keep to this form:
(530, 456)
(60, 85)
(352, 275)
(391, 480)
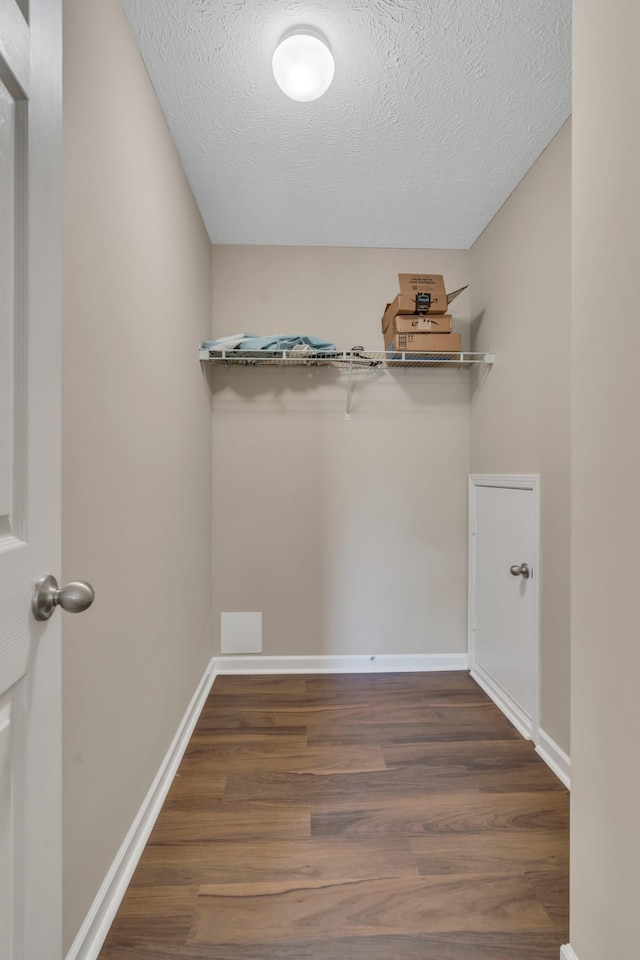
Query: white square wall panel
(240, 633)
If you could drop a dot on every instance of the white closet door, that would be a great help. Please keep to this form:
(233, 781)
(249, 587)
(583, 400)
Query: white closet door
(30, 126)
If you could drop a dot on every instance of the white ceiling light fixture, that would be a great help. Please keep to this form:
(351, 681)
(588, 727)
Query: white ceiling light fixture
(303, 67)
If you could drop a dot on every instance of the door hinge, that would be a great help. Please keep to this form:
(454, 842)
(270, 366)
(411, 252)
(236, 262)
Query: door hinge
(473, 528)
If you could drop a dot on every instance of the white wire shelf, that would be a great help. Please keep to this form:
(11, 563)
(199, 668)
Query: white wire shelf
(346, 358)
(350, 360)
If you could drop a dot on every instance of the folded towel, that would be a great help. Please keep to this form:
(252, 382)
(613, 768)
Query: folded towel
(225, 343)
(276, 342)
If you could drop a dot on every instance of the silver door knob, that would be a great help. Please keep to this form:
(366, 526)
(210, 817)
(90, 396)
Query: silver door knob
(74, 597)
(520, 570)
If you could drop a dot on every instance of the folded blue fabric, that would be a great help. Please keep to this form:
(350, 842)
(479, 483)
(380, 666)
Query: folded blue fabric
(278, 342)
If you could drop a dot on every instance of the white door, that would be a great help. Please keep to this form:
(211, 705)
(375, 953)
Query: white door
(504, 594)
(30, 770)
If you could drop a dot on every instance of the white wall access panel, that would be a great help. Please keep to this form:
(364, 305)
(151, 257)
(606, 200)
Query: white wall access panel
(503, 608)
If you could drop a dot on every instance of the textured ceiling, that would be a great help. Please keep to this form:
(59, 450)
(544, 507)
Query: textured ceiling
(437, 110)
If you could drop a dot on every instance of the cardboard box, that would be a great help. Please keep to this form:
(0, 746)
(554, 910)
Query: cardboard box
(439, 346)
(411, 286)
(401, 305)
(414, 323)
(431, 284)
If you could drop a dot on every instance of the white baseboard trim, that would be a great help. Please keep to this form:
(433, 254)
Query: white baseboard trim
(385, 663)
(92, 934)
(554, 757)
(501, 698)
(568, 953)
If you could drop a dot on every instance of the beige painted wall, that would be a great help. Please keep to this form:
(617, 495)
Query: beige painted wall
(520, 413)
(605, 851)
(136, 442)
(351, 538)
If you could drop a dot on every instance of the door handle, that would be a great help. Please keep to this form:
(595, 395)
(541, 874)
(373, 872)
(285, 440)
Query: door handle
(520, 570)
(74, 597)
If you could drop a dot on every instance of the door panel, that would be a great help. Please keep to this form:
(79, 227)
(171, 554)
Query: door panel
(30, 801)
(14, 553)
(504, 607)
(7, 831)
(7, 302)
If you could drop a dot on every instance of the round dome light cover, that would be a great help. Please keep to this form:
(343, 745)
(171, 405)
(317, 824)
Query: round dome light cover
(303, 67)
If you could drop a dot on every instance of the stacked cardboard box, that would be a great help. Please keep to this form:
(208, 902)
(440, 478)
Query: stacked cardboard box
(417, 321)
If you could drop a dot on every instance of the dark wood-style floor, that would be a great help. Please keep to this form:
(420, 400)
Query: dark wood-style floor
(352, 817)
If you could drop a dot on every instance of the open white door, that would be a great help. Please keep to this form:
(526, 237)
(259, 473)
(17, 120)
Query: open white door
(504, 578)
(30, 769)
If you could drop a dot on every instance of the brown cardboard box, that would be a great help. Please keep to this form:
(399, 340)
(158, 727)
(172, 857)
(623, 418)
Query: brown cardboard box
(431, 283)
(418, 323)
(401, 305)
(424, 344)
(405, 302)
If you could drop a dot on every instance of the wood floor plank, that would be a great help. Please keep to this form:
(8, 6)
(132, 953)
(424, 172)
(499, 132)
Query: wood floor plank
(169, 900)
(411, 683)
(459, 751)
(321, 858)
(450, 690)
(445, 813)
(234, 738)
(460, 945)
(443, 946)
(186, 785)
(165, 910)
(551, 887)
(462, 757)
(492, 852)
(284, 716)
(232, 912)
(378, 731)
(225, 821)
(402, 781)
(275, 686)
(205, 757)
(232, 743)
(461, 717)
(123, 949)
